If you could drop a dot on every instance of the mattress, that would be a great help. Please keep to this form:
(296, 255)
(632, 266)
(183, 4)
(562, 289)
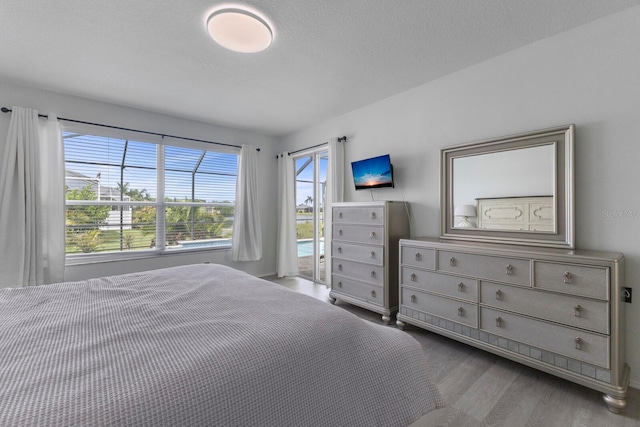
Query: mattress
(200, 345)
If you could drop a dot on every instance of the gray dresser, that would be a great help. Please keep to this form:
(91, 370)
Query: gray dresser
(516, 213)
(364, 250)
(556, 310)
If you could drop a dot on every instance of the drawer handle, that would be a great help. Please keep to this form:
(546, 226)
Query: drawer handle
(499, 294)
(339, 284)
(499, 322)
(452, 261)
(340, 231)
(414, 278)
(373, 215)
(372, 235)
(509, 271)
(373, 273)
(339, 266)
(373, 294)
(418, 256)
(413, 298)
(372, 254)
(568, 277)
(577, 311)
(460, 287)
(339, 249)
(339, 214)
(461, 311)
(578, 342)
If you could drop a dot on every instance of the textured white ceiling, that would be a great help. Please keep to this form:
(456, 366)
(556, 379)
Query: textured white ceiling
(329, 56)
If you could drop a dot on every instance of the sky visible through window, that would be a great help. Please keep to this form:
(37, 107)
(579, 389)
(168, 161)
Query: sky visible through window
(304, 184)
(98, 157)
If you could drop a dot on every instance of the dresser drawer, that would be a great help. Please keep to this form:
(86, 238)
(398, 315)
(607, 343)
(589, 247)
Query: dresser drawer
(572, 279)
(511, 270)
(573, 311)
(541, 227)
(373, 235)
(373, 274)
(456, 311)
(508, 211)
(541, 213)
(574, 343)
(488, 225)
(363, 291)
(418, 257)
(369, 215)
(453, 286)
(355, 252)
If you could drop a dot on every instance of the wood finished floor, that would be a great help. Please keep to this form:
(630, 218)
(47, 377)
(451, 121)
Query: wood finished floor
(486, 390)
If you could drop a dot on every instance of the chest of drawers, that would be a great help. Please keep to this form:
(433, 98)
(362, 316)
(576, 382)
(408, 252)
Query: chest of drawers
(516, 213)
(364, 254)
(555, 310)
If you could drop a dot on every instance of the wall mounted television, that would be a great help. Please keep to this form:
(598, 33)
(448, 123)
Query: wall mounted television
(376, 172)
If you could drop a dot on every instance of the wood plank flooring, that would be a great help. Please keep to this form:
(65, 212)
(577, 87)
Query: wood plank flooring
(482, 389)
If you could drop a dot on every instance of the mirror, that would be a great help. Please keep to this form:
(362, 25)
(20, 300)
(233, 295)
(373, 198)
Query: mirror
(516, 189)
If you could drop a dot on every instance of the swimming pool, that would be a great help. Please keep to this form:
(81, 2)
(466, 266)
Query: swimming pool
(305, 247)
(213, 243)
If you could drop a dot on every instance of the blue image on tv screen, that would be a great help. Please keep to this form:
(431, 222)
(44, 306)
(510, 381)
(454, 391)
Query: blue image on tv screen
(375, 172)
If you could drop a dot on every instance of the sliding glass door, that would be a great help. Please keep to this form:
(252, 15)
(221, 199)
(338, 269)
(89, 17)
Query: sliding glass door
(311, 178)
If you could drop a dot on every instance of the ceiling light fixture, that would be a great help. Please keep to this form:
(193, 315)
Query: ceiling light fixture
(239, 30)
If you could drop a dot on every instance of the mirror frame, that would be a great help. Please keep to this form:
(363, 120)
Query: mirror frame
(564, 236)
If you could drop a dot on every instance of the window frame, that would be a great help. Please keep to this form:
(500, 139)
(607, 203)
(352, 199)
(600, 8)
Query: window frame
(160, 204)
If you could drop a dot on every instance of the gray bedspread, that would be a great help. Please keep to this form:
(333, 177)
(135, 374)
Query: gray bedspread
(200, 345)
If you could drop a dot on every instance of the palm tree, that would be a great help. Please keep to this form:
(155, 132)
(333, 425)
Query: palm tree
(308, 200)
(123, 188)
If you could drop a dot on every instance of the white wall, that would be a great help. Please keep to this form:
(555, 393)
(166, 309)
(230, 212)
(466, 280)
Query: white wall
(588, 76)
(515, 173)
(99, 112)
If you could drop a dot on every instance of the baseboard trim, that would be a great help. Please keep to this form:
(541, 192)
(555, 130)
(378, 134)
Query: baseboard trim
(263, 275)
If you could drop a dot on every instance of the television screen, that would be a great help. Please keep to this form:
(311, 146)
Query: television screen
(375, 172)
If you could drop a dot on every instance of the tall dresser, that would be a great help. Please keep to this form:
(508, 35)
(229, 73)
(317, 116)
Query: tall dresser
(364, 250)
(556, 310)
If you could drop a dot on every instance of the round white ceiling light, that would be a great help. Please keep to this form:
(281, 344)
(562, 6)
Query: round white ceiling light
(239, 30)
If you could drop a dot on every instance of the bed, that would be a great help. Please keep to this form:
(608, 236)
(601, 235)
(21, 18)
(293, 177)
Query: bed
(200, 345)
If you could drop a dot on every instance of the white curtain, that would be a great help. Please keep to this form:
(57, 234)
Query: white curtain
(32, 201)
(335, 193)
(246, 244)
(287, 252)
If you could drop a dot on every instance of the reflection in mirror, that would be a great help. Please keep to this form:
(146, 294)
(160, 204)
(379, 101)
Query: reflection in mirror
(517, 189)
(509, 190)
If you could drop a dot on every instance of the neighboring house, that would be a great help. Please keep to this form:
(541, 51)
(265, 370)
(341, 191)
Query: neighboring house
(75, 180)
(302, 208)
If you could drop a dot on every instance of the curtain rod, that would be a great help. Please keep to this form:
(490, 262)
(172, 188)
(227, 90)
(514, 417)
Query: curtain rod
(8, 110)
(340, 139)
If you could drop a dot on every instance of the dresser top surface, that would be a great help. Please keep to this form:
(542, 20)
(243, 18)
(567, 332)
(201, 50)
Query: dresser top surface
(515, 250)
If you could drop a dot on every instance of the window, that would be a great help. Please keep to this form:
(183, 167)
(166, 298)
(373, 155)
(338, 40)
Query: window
(129, 195)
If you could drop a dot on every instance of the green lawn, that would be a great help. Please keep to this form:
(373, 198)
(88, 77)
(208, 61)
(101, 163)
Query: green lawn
(110, 241)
